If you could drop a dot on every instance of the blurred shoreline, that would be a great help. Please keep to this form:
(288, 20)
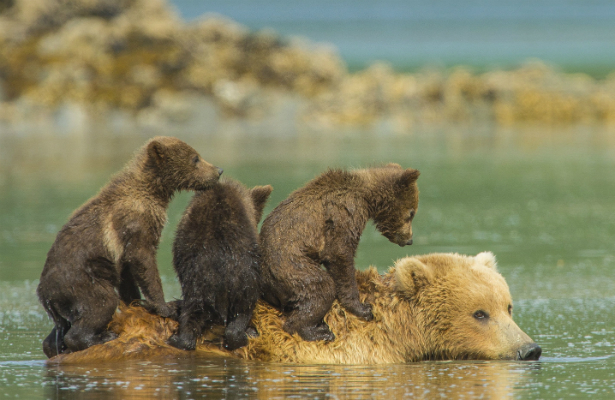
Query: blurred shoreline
(412, 34)
(69, 65)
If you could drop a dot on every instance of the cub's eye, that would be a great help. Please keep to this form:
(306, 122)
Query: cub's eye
(481, 315)
(410, 216)
(196, 159)
(510, 309)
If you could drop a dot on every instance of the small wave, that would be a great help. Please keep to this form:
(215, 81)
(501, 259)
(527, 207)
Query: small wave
(573, 359)
(23, 363)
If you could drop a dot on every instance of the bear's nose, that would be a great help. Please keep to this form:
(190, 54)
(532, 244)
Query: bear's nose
(220, 171)
(530, 352)
(409, 242)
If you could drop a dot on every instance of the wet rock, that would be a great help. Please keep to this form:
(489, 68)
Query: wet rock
(136, 59)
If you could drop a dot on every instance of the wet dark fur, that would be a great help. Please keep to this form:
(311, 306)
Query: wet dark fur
(106, 253)
(320, 225)
(215, 255)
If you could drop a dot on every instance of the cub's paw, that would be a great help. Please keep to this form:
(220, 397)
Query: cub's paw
(236, 341)
(53, 347)
(325, 333)
(318, 332)
(182, 343)
(252, 332)
(166, 310)
(365, 312)
(108, 336)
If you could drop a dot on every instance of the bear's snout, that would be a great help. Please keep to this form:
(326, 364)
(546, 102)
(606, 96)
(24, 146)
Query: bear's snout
(220, 171)
(400, 239)
(403, 242)
(529, 352)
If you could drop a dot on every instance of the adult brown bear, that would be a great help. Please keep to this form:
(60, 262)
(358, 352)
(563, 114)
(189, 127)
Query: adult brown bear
(432, 307)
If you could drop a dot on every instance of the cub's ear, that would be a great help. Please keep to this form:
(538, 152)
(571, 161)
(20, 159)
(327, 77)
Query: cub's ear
(393, 165)
(411, 275)
(407, 178)
(260, 195)
(488, 259)
(156, 151)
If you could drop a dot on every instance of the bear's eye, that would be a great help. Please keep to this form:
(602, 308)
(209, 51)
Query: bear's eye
(196, 159)
(481, 315)
(410, 216)
(510, 309)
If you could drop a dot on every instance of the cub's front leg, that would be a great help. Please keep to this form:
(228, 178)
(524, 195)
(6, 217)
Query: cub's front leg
(344, 275)
(144, 270)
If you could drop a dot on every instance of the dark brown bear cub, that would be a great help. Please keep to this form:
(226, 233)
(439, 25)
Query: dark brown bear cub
(320, 225)
(216, 257)
(107, 250)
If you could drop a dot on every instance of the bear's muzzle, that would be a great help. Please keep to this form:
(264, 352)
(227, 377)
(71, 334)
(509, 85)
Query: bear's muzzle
(529, 352)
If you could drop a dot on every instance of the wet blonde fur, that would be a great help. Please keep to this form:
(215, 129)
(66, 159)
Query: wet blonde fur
(404, 328)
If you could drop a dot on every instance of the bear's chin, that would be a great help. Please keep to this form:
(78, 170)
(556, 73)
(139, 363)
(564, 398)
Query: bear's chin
(402, 242)
(201, 186)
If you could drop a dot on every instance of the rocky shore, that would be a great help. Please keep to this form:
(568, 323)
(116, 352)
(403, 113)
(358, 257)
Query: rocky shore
(75, 63)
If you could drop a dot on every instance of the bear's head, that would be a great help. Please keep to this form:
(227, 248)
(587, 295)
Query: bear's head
(463, 307)
(178, 166)
(253, 199)
(397, 203)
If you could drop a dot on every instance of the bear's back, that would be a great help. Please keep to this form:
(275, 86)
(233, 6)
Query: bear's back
(309, 204)
(218, 215)
(215, 252)
(216, 234)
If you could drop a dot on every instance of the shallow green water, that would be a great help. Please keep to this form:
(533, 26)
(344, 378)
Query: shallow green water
(541, 199)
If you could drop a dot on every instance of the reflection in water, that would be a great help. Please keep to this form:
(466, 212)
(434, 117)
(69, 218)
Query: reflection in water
(235, 379)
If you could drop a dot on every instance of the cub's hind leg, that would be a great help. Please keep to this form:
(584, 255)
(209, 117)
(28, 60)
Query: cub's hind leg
(312, 299)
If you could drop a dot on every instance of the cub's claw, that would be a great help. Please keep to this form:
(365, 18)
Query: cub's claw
(182, 343)
(165, 310)
(363, 311)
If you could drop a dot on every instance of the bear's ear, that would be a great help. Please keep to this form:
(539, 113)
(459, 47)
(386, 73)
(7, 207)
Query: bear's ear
(393, 165)
(156, 151)
(259, 195)
(407, 178)
(411, 275)
(488, 259)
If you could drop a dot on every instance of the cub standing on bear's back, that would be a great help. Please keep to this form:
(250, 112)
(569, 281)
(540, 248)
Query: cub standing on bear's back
(110, 244)
(215, 255)
(321, 224)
